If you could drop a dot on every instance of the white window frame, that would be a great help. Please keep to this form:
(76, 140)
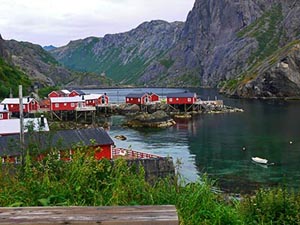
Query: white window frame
(56, 105)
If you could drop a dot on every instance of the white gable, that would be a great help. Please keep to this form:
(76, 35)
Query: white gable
(2, 108)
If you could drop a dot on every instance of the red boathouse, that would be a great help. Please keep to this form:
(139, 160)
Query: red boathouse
(183, 98)
(30, 105)
(95, 139)
(66, 103)
(141, 98)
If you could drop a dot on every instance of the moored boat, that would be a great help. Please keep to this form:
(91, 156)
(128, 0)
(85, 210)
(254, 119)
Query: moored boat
(260, 160)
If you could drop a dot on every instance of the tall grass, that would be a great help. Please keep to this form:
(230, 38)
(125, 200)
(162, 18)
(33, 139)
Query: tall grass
(87, 182)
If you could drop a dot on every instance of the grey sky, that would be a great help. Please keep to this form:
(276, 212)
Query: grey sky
(57, 22)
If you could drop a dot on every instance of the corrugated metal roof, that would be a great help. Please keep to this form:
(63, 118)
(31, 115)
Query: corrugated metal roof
(66, 139)
(12, 126)
(16, 100)
(66, 99)
(181, 95)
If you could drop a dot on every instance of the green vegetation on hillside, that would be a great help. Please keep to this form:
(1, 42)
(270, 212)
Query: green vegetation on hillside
(10, 78)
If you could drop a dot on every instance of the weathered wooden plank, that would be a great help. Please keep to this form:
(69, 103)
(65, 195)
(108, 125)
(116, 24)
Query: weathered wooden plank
(121, 215)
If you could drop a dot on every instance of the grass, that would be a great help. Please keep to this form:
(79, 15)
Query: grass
(87, 182)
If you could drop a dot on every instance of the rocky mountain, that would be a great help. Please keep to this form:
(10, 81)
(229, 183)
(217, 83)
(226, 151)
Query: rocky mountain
(239, 46)
(49, 48)
(227, 44)
(124, 56)
(37, 66)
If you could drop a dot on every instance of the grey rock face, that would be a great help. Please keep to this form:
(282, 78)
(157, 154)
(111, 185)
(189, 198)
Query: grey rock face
(122, 56)
(279, 80)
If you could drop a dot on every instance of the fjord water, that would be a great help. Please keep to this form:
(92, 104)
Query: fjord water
(222, 145)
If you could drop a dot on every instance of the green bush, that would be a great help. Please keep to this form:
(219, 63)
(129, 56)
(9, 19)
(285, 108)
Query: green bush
(84, 181)
(276, 206)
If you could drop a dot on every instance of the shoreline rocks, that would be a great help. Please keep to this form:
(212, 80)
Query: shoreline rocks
(158, 119)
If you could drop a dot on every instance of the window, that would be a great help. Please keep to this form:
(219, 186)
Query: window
(72, 104)
(177, 99)
(65, 104)
(56, 105)
(127, 99)
(171, 99)
(189, 99)
(139, 100)
(1, 116)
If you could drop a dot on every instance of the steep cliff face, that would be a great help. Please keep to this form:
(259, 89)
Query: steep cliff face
(122, 56)
(225, 42)
(277, 76)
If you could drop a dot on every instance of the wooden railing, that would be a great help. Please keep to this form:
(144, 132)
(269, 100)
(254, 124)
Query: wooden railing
(121, 215)
(132, 154)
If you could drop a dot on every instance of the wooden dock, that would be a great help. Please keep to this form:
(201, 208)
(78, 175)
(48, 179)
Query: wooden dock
(105, 215)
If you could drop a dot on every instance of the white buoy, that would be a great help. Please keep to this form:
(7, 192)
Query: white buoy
(291, 142)
(244, 148)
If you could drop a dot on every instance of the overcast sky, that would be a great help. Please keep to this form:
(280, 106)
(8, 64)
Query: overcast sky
(57, 22)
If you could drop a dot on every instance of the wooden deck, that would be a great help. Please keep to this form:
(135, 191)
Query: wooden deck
(121, 215)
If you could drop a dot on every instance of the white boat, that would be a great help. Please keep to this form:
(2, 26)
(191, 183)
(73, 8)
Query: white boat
(260, 160)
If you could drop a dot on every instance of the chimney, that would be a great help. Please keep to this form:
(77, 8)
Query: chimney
(4, 107)
(28, 99)
(42, 121)
(82, 97)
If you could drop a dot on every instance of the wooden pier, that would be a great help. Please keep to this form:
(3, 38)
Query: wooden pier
(121, 215)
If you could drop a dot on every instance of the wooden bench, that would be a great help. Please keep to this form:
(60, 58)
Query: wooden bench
(106, 215)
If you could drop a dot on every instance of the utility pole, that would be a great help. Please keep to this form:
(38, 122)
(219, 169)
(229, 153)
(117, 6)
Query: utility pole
(22, 141)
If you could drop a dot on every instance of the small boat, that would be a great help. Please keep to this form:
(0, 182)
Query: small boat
(260, 160)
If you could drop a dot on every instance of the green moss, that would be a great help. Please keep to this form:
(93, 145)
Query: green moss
(167, 63)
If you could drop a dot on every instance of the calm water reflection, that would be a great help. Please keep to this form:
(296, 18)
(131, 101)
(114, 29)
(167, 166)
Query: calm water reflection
(213, 144)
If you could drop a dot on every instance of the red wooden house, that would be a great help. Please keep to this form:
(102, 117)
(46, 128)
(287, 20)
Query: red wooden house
(183, 98)
(60, 93)
(95, 99)
(153, 97)
(4, 113)
(141, 98)
(76, 93)
(30, 105)
(94, 140)
(66, 103)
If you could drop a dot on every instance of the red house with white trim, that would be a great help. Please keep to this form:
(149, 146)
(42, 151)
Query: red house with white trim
(60, 93)
(153, 97)
(30, 105)
(183, 98)
(66, 103)
(76, 93)
(95, 99)
(4, 113)
(141, 98)
(97, 140)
